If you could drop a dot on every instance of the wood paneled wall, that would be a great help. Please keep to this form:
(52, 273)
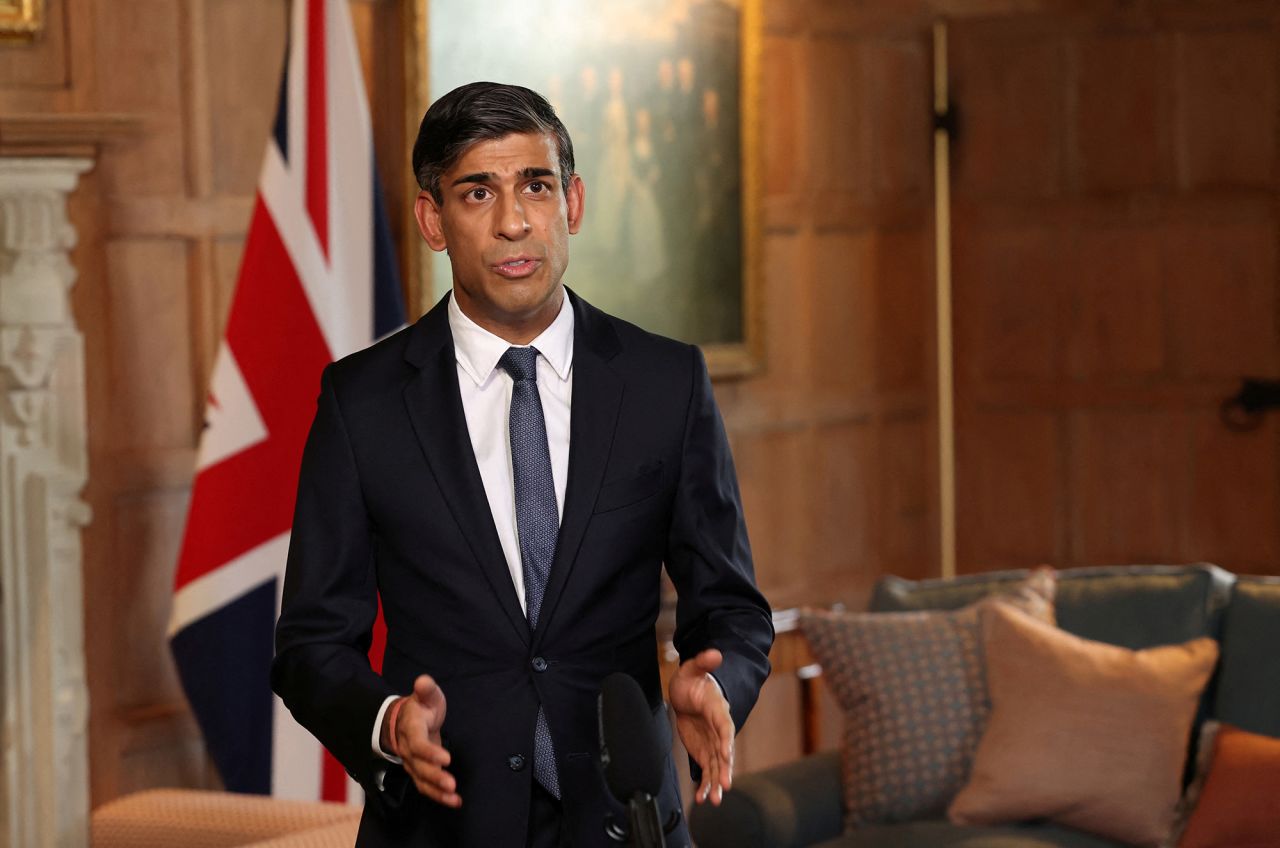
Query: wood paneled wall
(1115, 277)
(1115, 272)
(835, 441)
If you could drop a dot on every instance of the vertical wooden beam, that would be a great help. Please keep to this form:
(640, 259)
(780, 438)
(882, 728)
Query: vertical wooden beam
(942, 242)
(199, 165)
(417, 257)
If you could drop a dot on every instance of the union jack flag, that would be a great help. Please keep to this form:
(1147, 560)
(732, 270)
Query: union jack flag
(318, 281)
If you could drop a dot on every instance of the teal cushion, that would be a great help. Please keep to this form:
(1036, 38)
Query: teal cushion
(1248, 691)
(1134, 606)
(940, 834)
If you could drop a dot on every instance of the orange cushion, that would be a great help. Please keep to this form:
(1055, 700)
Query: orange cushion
(1238, 807)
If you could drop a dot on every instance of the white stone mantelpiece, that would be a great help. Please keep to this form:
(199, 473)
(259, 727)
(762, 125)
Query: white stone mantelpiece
(44, 784)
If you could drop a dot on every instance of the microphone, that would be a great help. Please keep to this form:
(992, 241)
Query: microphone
(633, 760)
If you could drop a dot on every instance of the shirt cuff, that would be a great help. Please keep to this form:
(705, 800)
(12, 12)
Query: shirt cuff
(375, 741)
(723, 693)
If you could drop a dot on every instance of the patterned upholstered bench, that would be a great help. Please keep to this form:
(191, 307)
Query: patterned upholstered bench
(165, 818)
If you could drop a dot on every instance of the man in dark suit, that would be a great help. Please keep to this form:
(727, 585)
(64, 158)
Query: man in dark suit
(508, 476)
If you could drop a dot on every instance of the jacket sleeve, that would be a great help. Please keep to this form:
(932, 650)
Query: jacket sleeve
(709, 558)
(330, 602)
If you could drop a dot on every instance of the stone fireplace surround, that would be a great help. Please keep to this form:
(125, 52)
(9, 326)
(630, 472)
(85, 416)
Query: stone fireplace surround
(44, 782)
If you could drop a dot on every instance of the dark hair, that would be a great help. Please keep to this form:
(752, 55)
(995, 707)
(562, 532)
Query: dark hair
(480, 111)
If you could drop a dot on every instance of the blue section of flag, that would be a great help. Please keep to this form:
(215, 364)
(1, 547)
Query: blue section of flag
(388, 302)
(224, 660)
(281, 127)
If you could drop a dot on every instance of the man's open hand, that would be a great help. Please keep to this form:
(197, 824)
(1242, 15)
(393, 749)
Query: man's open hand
(704, 723)
(417, 741)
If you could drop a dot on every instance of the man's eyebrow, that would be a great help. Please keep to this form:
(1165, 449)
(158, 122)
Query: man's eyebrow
(487, 177)
(478, 177)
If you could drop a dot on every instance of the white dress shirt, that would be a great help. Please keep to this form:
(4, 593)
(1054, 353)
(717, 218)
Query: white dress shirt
(486, 404)
(486, 401)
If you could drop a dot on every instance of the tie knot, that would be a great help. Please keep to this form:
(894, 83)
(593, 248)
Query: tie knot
(520, 362)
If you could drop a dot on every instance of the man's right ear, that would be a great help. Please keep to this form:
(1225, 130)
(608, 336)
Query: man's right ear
(427, 211)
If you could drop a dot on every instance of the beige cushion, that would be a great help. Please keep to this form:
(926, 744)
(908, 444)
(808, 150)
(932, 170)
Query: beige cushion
(1087, 734)
(165, 818)
(911, 687)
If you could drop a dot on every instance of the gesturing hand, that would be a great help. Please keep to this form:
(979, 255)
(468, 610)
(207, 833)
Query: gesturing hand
(417, 719)
(704, 723)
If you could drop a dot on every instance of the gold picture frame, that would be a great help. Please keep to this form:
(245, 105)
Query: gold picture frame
(21, 19)
(707, 287)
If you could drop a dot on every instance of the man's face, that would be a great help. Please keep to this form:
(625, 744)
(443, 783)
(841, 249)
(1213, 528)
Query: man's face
(505, 222)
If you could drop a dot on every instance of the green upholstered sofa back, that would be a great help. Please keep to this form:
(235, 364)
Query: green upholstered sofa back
(1139, 606)
(1135, 606)
(1248, 686)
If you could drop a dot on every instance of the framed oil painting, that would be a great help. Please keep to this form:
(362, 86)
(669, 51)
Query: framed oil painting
(21, 18)
(660, 98)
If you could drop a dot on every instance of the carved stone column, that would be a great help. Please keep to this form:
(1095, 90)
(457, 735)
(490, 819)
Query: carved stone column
(44, 786)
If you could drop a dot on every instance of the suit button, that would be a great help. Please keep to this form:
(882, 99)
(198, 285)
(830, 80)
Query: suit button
(539, 664)
(515, 762)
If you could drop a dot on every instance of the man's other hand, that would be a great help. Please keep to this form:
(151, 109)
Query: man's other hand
(704, 723)
(417, 741)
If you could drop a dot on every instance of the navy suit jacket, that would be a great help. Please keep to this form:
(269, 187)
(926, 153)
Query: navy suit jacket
(391, 504)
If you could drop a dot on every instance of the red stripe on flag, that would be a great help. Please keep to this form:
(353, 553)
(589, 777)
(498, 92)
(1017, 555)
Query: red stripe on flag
(379, 644)
(333, 779)
(317, 124)
(247, 499)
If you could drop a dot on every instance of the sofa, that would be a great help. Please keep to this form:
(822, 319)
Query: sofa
(799, 803)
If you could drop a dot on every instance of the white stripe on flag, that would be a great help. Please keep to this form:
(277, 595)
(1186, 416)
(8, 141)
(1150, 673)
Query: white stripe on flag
(355, 792)
(232, 420)
(278, 189)
(296, 117)
(296, 758)
(219, 587)
(348, 318)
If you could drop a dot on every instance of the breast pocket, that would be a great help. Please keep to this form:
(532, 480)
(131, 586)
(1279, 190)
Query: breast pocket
(625, 491)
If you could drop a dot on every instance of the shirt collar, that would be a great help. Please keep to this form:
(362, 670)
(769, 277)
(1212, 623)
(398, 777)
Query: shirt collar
(479, 350)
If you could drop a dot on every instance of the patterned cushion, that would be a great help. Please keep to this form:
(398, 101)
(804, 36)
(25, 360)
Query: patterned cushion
(913, 691)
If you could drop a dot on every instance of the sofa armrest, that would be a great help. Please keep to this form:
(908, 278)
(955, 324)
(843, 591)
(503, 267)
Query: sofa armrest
(787, 806)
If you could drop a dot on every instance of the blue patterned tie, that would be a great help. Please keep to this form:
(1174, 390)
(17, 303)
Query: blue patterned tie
(537, 519)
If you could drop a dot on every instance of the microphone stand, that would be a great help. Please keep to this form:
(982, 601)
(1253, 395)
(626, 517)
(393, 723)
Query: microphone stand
(646, 822)
(636, 810)
(642, 821)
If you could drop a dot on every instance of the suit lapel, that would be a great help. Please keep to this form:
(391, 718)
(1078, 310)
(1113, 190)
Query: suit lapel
(597, 397)
(435, 409)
